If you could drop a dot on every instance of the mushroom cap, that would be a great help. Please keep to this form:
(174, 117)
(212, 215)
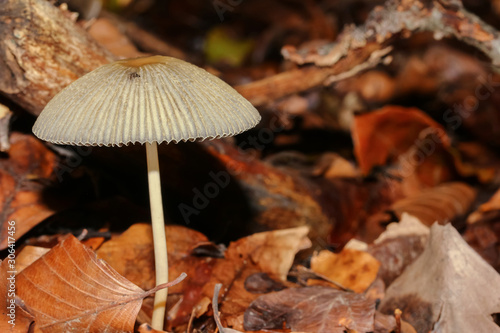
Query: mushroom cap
(147, 99)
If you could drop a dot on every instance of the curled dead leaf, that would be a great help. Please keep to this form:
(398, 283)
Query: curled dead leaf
(69, 289)
(381, 136)
(269, 252)
(131, 254)
(350, 268)
(311, 309)
(14, 319)
(23, 178)
(399, 246)
(439, 204)
(489, 210)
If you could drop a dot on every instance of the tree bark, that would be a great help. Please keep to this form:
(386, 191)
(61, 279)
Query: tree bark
(42, 50)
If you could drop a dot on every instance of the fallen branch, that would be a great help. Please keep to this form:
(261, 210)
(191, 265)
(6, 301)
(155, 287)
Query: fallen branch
(356, 45)
(42, 50)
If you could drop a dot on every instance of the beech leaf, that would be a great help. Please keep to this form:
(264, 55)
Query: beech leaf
(70, 290)
(270, 252)
(311, 309)
(350, 268)
(438, 204)
(383, 135)
(399, 246)
(449, 288)
(21, 187)
(13, 318)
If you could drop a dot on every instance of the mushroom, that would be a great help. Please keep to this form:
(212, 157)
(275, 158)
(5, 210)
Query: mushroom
(146, 100)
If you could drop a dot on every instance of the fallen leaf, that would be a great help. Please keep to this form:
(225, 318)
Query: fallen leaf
(28, 255)
(439, 204)
(384, 323)
(399, 246)
(131, 254)
(350, 268)
(69, 289)
(311, 309)
(23, 178)
(457, 293)
(408, 225)
(303, 275)
(332, 165)
(269, 252)
(215, 306)
(381, 136)
(488, 211)
(483, 230)
(473, 159)
(278, 198)
(13, 318)
(261, 283)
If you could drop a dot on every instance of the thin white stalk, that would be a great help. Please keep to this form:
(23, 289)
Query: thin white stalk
(159, 239)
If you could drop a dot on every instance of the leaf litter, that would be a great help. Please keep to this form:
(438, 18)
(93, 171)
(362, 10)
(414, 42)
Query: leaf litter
(382, 121)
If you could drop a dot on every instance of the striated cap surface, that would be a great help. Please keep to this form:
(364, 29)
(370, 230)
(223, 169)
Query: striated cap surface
(141, 100)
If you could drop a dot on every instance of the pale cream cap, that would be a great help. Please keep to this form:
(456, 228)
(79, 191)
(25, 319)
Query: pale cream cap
(141, 100)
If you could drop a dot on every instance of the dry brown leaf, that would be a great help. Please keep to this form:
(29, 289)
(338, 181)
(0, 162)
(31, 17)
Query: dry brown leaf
(449, 288)
(382, 136)
(474, 159)
(488, 211)
(131, 255)
(332, 165)
(311, 309)
(399, 246)
(483, 230)
(350, 268)
(12, 317)
(215, 307)
(22, 178)
(439, 204)
(28, 255)
(69, 289)
(270, 252)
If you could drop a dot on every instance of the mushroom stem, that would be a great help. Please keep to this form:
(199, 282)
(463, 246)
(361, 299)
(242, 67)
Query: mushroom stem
(159, 239)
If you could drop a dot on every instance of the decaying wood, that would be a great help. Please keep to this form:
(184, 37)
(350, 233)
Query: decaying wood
(42, 50)
(270, 89)
(406, 17)
(355, 45)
